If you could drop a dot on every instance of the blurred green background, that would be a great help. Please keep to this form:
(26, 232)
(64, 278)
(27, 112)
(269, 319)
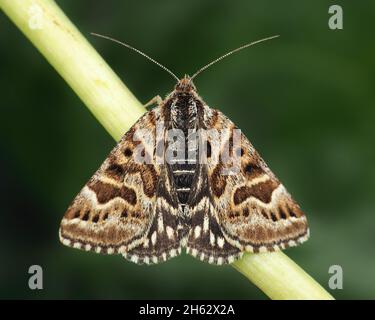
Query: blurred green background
(305, 100)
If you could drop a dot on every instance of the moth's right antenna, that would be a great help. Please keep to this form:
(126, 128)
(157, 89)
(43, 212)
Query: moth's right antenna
(138, 51)
(228, 54)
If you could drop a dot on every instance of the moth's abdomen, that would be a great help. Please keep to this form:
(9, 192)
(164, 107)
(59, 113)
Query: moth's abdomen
(183, 177)
(185, 167)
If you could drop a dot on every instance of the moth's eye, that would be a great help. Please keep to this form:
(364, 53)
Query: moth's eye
(127, 152)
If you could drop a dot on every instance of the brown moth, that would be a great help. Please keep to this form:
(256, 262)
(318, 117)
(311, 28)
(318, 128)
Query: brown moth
(149, 210)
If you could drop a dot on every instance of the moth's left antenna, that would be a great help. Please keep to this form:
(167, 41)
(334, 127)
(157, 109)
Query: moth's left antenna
(138, 51)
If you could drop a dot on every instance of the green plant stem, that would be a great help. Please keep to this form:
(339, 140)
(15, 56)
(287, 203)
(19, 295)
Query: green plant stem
(59, 41)
(280, 277)
(115, 107)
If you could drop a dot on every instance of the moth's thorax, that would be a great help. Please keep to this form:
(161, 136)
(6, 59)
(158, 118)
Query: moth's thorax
(184, 111)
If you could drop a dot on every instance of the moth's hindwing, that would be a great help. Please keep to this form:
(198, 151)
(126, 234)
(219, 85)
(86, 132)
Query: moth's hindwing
(126, 207)
(247, 211)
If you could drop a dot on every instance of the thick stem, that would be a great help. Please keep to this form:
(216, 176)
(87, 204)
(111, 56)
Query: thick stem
(59, 41)
(115, 107)
(280, 277)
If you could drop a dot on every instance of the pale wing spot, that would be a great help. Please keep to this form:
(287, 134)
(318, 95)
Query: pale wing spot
(170, 232)
(205, 223)
(231, 259)
(220, 261)
(263, 249)
(66, 242)
(173, 253)
(202, 256)
(194, 252)
(212, 239)
(220, 242)
(153, 238)
(305, 237)
(122, 250)
(81, 223)
(160, 223)
(154, 259)
(77, 245)
(292, 243)
(63, 223)
(146, 243)
(164, 255)
(184, 241)
(110, 250)
(98, 249)
(211, 259)
(111, 181)
(249, 249)
(146, 260)
(197, 232)
(262, 178)
(134, 258)
(88, 247)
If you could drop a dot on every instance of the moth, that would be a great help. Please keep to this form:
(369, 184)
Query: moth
(149, 210)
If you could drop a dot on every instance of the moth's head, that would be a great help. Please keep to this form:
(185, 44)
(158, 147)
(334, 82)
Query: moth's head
(185, 85)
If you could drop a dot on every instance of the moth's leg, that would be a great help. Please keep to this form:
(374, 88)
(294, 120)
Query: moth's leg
(155, 100)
